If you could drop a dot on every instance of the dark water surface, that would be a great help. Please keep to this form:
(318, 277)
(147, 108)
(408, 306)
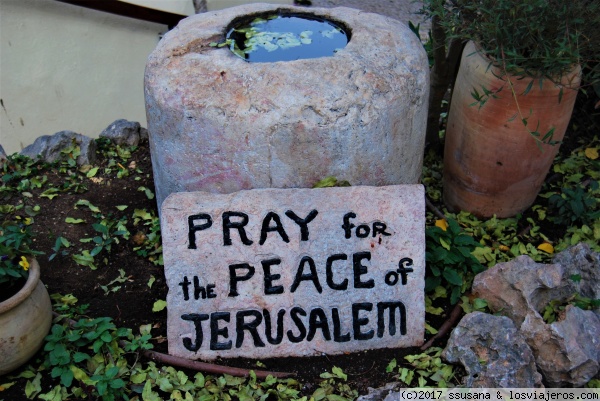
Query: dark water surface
(286, 38)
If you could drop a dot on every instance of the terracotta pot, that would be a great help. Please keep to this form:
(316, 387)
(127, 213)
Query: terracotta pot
(492, 164)
(25, 320)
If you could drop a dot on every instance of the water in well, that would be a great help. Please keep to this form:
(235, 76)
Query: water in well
(286, 38)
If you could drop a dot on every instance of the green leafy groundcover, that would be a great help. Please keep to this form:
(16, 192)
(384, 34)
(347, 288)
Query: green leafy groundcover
(92, 358)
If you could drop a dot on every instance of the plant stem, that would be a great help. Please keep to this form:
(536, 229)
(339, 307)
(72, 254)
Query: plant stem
(446, 327)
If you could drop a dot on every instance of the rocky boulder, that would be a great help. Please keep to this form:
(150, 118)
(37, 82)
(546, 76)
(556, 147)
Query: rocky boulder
(123, 132)
(581, 261)
(567, 351)
(49, 147)
(493, 353)
(385, 393)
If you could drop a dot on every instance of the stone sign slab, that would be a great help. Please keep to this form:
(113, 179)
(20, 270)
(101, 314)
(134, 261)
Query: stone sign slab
(294, 272)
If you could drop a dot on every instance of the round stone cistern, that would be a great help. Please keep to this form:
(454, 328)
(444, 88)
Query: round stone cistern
(221, 121)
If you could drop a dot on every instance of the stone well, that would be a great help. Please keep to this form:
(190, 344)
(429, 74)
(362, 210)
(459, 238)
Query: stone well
(220, 124)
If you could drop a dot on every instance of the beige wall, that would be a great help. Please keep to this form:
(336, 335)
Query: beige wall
(64, 67)
(183, 7)
(220, 4)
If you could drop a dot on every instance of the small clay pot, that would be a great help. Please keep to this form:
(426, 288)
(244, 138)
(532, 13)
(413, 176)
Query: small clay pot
(25, 320)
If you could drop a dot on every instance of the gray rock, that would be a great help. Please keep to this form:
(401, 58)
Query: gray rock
(385, 393)
(580, 260)
(49, 147)
(143, 134)
(493, 353)
(567, 351)
(521, 286)
(123, 132)
(220, 124)
(2, 153)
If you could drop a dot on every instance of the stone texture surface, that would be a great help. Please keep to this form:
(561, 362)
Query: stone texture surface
(48, 147)
(567, 351)
(493, 353)
(143, 133)
(332, 319)
(385, 393)
(581, 260)
(123, 132)
(220, 124)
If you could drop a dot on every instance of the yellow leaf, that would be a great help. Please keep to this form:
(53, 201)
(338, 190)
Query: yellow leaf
(591, 153)
(546, 247)
(441, 223)
(79, 374)
(504, 248)
(6, 385)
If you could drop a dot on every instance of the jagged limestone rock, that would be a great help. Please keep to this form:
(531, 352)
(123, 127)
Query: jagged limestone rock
(123, 132)
(49, 147)
(567, 351)
(493, 353)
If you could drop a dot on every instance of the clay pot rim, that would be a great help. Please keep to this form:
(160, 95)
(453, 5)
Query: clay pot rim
(25, 292)
(570, 79)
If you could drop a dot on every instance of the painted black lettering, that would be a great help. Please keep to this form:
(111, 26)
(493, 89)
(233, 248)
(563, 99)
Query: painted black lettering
(363, 231)
(318, 320)
(234, 278)
(197, 319)
(215, 331)
(210, 293)
(268, 331)
(337, 336)
(201, 291)
(360, 269)
(303, 223)
(241, 325)
(379, 228)
(185, 286)
(347, 226)
(358, 322)
(391, 306)
(269, 278)
(266, 227)
(198, 289)
(403, 270)
(312, 276)
(238, 225)
(192, 227)
(294, 313)
(329, 272)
